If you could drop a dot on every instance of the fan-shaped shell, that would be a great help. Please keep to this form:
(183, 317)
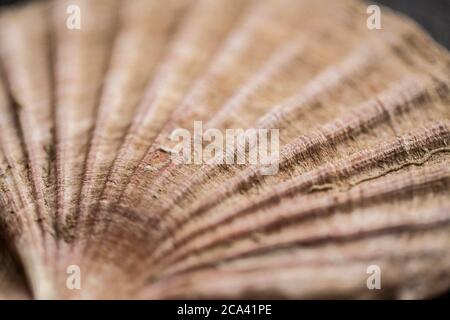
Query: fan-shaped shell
(88, 179)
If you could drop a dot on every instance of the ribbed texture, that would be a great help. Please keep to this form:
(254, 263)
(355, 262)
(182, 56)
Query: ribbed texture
(87, 178)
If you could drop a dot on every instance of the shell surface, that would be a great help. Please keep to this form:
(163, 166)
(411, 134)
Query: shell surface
(88, 177)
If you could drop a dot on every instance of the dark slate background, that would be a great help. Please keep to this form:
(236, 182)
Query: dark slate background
(433, 15)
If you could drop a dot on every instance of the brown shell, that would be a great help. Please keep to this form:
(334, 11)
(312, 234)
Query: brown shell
(86, 177)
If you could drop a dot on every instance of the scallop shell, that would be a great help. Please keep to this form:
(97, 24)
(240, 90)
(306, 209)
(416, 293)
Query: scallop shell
(87, 179)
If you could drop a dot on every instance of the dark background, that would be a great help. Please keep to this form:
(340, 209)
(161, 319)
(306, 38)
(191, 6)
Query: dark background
(433, 15)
